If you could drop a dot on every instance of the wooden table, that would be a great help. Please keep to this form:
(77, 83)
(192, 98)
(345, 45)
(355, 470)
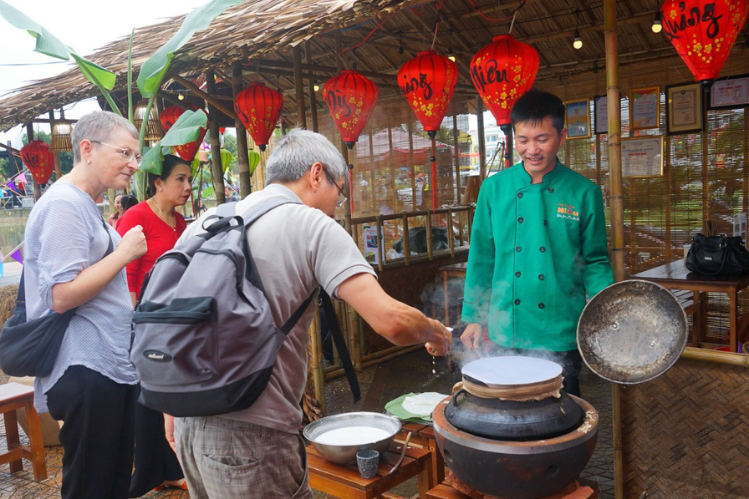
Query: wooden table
(422, 435)
(675, 275)
(448, 271)
(345, 482)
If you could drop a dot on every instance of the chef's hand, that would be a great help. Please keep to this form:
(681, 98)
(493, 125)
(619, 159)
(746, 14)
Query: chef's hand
(169, 431)
(443, 342)
(471, 336)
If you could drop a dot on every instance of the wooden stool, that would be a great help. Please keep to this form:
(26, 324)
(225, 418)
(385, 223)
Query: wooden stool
(422, 435)
(14, 396)
(345, 482)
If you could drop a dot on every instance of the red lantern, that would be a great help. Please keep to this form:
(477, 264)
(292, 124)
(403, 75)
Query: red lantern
(428, 82)
(169, 117)
(350, 98)
(703, 32)
(40, 161)
(259, 108)
(503, 71)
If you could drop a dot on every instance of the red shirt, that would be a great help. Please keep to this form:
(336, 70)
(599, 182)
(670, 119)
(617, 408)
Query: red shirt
(160, 238)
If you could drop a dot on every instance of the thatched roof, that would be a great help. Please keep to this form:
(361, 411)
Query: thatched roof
(260, 34)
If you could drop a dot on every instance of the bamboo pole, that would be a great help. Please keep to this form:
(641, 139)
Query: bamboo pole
(745, 204)
(301, 115)
(411, 163)
(243, 160)
(347, 207)
(666, 155)
(617, 211)
(707, 355)
(482, 139)
(311, 87)
(705, 179)
(315, 364)
(212, 100)
(216, 167)
(456, 145)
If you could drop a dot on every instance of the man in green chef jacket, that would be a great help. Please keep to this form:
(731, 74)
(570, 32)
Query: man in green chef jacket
(538, 247)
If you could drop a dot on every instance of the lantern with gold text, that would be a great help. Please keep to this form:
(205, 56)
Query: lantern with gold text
(259, 108)
(703, 32)
(169, 117)
(39, 159)
(350, 98)
(503, 71)
(428, 82)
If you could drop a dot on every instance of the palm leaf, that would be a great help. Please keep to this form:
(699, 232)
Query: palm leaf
(186, 129)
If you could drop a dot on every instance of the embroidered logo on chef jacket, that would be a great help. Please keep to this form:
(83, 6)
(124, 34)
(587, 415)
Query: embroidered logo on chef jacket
(568, 212)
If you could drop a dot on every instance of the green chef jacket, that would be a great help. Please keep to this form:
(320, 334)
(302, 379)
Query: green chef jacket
(535, 252)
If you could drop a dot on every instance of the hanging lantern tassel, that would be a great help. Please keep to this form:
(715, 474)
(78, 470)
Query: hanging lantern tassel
(434, 173)
(350, 98)
(703, 32)
(39, 159)
(259, 108)
(503, 71)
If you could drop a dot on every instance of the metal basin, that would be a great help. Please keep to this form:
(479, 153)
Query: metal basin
(517, 469)
(632, 331)
(346, 454)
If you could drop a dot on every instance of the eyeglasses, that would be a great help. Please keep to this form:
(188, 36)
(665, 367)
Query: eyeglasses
(340, 189)
(127, 154)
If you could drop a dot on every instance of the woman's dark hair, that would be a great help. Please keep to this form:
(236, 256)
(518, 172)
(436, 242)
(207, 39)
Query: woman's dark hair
(536, 105)
(128, 201)
(170, 161)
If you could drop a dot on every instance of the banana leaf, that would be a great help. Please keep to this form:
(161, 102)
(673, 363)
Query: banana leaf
(154, 70)
(186, 129)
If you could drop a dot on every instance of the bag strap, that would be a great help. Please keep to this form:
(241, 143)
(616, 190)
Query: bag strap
(340, 344)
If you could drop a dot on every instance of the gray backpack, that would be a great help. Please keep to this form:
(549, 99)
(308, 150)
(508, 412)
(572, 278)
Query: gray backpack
(204, 341)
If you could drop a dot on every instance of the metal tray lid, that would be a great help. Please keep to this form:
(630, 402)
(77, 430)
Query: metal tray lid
(632, 332)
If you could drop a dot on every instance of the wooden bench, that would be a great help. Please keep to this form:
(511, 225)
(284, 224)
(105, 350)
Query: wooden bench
(14, 396)
(692, 304)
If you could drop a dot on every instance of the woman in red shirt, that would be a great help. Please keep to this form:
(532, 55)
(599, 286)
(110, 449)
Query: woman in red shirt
(156, 464)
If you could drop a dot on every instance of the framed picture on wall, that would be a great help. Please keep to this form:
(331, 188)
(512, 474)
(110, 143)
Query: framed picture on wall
(578, 119)
(685, 111)
(729, 93)
(645, 108)
(642, 157)
(601, 114)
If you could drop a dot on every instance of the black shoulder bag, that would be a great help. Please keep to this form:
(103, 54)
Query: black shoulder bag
(29, 348)
(718, 255)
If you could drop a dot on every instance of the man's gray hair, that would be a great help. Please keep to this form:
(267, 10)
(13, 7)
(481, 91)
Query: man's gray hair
(98, 125)
(297, 151)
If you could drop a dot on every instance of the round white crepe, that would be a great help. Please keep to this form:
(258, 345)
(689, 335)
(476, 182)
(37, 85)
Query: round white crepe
(516, 370)
(422, 404)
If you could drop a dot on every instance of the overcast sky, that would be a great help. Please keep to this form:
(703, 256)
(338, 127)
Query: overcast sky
(84, 25)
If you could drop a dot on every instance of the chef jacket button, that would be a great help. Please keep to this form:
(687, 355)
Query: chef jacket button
(520, 194)
(518, 249)
(551, 189)
(546, 223)
(541, 277)
(517, 302)
(517, 274)
(541, 249)
(520, 220)
(541, 305)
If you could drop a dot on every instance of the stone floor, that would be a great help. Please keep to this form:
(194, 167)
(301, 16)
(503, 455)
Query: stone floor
(414, 372)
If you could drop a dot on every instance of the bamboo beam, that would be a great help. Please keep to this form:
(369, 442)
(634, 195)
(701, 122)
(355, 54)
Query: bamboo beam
(456, 144)
(209, 98)
(301, 115)
(311, 88)
(218, 171)
(243, 159)
(482, 138)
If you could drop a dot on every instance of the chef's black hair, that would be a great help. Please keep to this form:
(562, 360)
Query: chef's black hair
(535, 105)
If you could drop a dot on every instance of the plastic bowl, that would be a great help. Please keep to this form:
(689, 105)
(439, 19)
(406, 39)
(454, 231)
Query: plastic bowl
(346, 454)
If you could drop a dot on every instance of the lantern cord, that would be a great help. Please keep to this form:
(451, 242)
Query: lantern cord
(369, 35)
(436, 30)
(512, 23)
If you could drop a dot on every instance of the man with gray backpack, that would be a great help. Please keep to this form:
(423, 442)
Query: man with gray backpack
(296, 246)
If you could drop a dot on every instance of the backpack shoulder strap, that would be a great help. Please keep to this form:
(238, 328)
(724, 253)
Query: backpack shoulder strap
(264, 208)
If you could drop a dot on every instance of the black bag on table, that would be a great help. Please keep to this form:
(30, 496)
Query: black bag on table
(29, 348)
(718, 255)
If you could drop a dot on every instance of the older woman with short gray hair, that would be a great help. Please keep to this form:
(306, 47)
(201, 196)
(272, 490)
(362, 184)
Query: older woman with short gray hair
(75, 260)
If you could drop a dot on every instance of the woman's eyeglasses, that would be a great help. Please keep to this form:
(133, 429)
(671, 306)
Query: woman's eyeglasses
(128, 155)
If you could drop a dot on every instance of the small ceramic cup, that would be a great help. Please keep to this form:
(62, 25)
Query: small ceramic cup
(367, 461)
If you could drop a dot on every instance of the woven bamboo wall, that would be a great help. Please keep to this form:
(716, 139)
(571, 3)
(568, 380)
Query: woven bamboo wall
(684, 433)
